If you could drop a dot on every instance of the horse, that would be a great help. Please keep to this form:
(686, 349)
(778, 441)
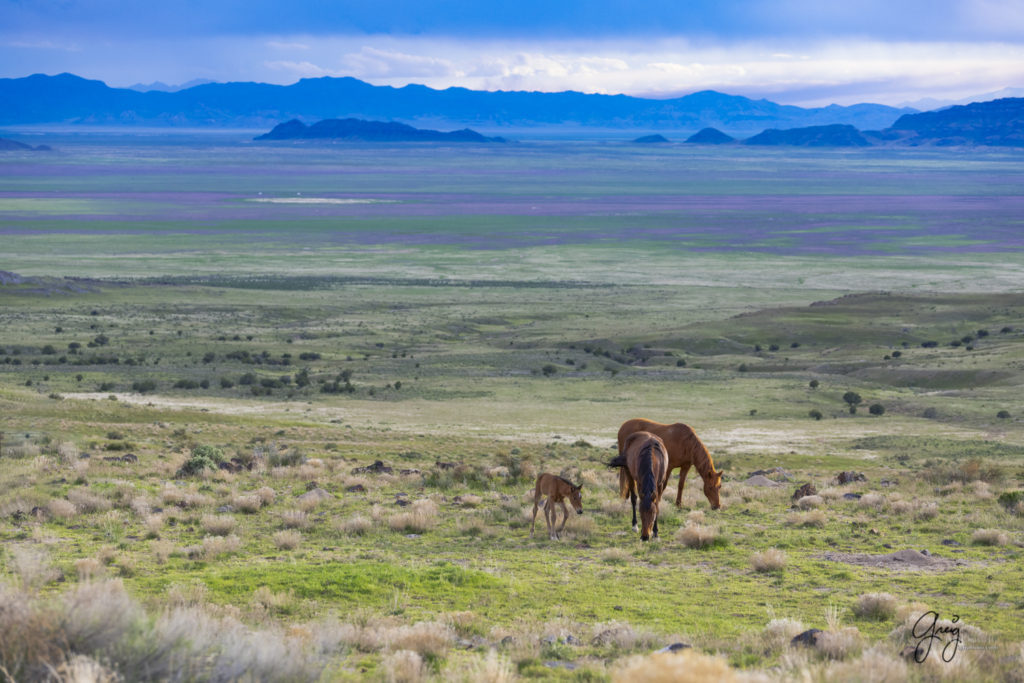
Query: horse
(557, 490)
(684, 449)
(643, 472)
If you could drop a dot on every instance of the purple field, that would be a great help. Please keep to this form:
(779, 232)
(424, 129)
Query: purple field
(874, 202)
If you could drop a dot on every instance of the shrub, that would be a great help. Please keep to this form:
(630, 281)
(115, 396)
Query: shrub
(877, 409)
(989, 537)
(878, 606)
(853, 399)
(815, 413)
(295, 519)
(202, 457)
(770, 560)
(813, 384)
(1012, 501)
(287, 539)
(218, 525)
(697, 536)
(1003, 414)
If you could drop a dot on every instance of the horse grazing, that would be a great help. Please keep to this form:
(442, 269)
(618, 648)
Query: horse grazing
(557, 490)
(643, 472)
(684, 450)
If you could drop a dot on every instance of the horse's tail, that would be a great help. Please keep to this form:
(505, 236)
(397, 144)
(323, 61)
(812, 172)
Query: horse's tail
(624, 484)
(647, 485)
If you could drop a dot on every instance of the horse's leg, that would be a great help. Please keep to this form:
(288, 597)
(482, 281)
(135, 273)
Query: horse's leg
(683, 470)
(565, 516)
(656, 524)
(534, 522)
(552, 519)
(632, 499)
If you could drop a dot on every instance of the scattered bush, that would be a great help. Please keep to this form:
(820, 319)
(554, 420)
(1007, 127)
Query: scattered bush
(202, 458)
(697, 536)
(815, 413)
(877, 409)
(989, 537)
(770, 560)
(287, 539)
(218, 525)
(878, 606)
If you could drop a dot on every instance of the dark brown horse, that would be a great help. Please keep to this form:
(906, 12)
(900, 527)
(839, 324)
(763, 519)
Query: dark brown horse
(557, 490)
(644, 464)
(684, 450)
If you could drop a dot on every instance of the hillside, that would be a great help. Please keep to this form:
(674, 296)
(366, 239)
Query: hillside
(995, 123)
(67, 98)
(368, 131)
(813, 136)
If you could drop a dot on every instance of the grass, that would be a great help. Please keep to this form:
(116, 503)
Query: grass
(427, 570)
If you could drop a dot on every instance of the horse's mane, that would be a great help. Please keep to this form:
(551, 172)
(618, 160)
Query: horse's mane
(648, 484)
(567, 482)
(698, 453)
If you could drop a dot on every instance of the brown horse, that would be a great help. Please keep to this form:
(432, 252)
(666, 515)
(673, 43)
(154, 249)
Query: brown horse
(684, 450)
(644, 462)
(557, 490)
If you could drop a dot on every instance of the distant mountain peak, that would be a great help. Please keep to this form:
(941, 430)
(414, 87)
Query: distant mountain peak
(368, 131)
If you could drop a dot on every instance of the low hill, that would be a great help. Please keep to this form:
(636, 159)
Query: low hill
(368, 131)
(651, 139)
(997, 123)
(15, 146)
(813, 136)
(710, 136)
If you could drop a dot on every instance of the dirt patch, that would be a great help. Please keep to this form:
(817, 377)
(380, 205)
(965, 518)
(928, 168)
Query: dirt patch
(899, 560)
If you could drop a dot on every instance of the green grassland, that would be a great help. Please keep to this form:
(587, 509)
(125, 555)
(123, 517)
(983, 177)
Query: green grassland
(467, 371)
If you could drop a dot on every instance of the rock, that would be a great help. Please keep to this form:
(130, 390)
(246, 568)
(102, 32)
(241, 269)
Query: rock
(851, 496)
(761, 480)
(808, 638)
(129, 458)
(378, 467)
(849, 477)
(446, 465)
(225, 508)
(508, 640)
(572, 640)
(805, 490)
(356, 488)
(568, 666)
(674, 647)
(950, 541)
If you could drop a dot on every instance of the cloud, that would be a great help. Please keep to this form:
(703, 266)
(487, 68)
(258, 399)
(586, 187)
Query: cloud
(371, 62)
(279, 45)
(299, 69)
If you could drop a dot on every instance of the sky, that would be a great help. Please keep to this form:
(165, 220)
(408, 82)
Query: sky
(804, 52)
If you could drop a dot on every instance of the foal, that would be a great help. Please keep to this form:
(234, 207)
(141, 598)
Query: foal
(557, 490)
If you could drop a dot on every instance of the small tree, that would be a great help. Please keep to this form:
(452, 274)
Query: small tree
(813, 384)
(877, 409)
(853, 399)
(815, 413)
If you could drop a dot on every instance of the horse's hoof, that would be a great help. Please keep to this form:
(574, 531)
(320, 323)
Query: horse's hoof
(635, 528)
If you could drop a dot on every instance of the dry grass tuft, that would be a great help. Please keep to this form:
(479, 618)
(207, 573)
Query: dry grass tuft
(771, 560)
(878, 606)
(872, 500)
(810, 502)
(927, 510)
(811, 518)
(61, 509)
(403, 666)
(696, 536)
(990, 537)
(490, 668)
(86, 501)
(356, 525)
(247, 503)
(287, 539)
(213, 547)
(162, 551)
(874, 664)
(266, 495)
(840, 643)
(88, 568)
(614, 555)
(218, 525)
(295, 519)
(679, 667)
(421, 517)
(695, 517)
(778, 633)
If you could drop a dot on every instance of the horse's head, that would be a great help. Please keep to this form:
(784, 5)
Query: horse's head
(576, 499)
(648, 516)
(712, 484)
